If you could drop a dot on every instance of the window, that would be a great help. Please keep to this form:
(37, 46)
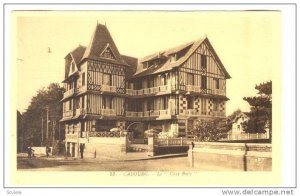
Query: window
(164, 103)
(73, 66)
(203, 82)
(82, 102)
(190, 102)
(190, 79)
(145, 65)
(163, 80)
(83, 79)
(216, 105)
(203, 62)
(107, 79)
(173, 57)
(108, 54)
(217, 83)
(150, 82)
(150, 104)
(106, 102)
(203, 106)
(238, 127)
(70, 104)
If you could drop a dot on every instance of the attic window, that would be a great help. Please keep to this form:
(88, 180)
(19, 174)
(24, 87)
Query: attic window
(173, 57)
(107, 53)
(73, 66)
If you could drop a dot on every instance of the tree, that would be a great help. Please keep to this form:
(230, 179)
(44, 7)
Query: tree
(260, 115)
(19, 132)
(234, 114)
(36, 113)
(211, 130)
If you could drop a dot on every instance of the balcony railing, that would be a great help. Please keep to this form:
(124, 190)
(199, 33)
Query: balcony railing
(107, 88)
(80, 111)
(71, 136)
(68, 113)
(218, 114)
(104, 134)
(193, 112)
(152, 113)
(218, 92)
(108, 112)
(192, 88)
(171, 141)
(69, 92)
(148, 91)
(81, 89)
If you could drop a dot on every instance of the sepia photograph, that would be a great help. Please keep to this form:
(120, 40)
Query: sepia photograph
(170, 91)
(102, 97)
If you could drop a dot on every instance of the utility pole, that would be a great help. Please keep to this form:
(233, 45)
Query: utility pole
(53, 134)
(42, 129)
(47, 109)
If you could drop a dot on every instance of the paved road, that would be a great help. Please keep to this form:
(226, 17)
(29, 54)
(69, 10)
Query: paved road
(166, 164)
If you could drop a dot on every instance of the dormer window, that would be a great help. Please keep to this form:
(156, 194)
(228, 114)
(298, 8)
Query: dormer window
(173, 57)
(73, 66)
(107, 53)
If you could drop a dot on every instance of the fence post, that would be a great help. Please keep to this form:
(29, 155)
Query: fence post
(256, 135)
(167, 141)
(180, 141)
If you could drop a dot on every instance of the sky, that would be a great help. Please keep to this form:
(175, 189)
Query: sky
(248, 43)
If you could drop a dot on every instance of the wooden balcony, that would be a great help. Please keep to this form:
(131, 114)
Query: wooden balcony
(198, 89)
(69, 93)
(107, 88)
(108, 112)
(81, 89)
(193, 112)
(218, 92)
(68, 113)
(218, 114)
(149, 91)
(191, 88)
(80, 111)
(152, 113)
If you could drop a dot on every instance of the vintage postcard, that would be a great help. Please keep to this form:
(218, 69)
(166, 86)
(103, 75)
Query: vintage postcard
(146, 98)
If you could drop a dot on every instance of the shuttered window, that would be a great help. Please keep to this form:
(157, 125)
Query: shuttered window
(83, 79)
(190, 102)
(190, 79)
(107, 79)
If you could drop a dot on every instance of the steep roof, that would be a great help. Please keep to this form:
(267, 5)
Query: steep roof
(169, 65)
(100, 40)
(75, 55)
(132, 62)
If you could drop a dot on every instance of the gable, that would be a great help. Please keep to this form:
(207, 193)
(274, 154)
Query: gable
(107, 53)
(204, 54)
(98, 47)
(73, 67)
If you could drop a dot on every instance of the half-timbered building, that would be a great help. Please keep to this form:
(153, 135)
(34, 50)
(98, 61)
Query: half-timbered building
(167, 91)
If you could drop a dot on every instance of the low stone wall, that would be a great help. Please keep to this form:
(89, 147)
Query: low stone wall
(41, 151)
(101, 147)
(237, 156)
(162, 150)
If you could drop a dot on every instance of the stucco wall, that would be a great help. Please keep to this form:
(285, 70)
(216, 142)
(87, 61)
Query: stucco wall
(104, 147)
(237, 156)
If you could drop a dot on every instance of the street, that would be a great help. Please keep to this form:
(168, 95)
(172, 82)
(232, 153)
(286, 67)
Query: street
(61, 164)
